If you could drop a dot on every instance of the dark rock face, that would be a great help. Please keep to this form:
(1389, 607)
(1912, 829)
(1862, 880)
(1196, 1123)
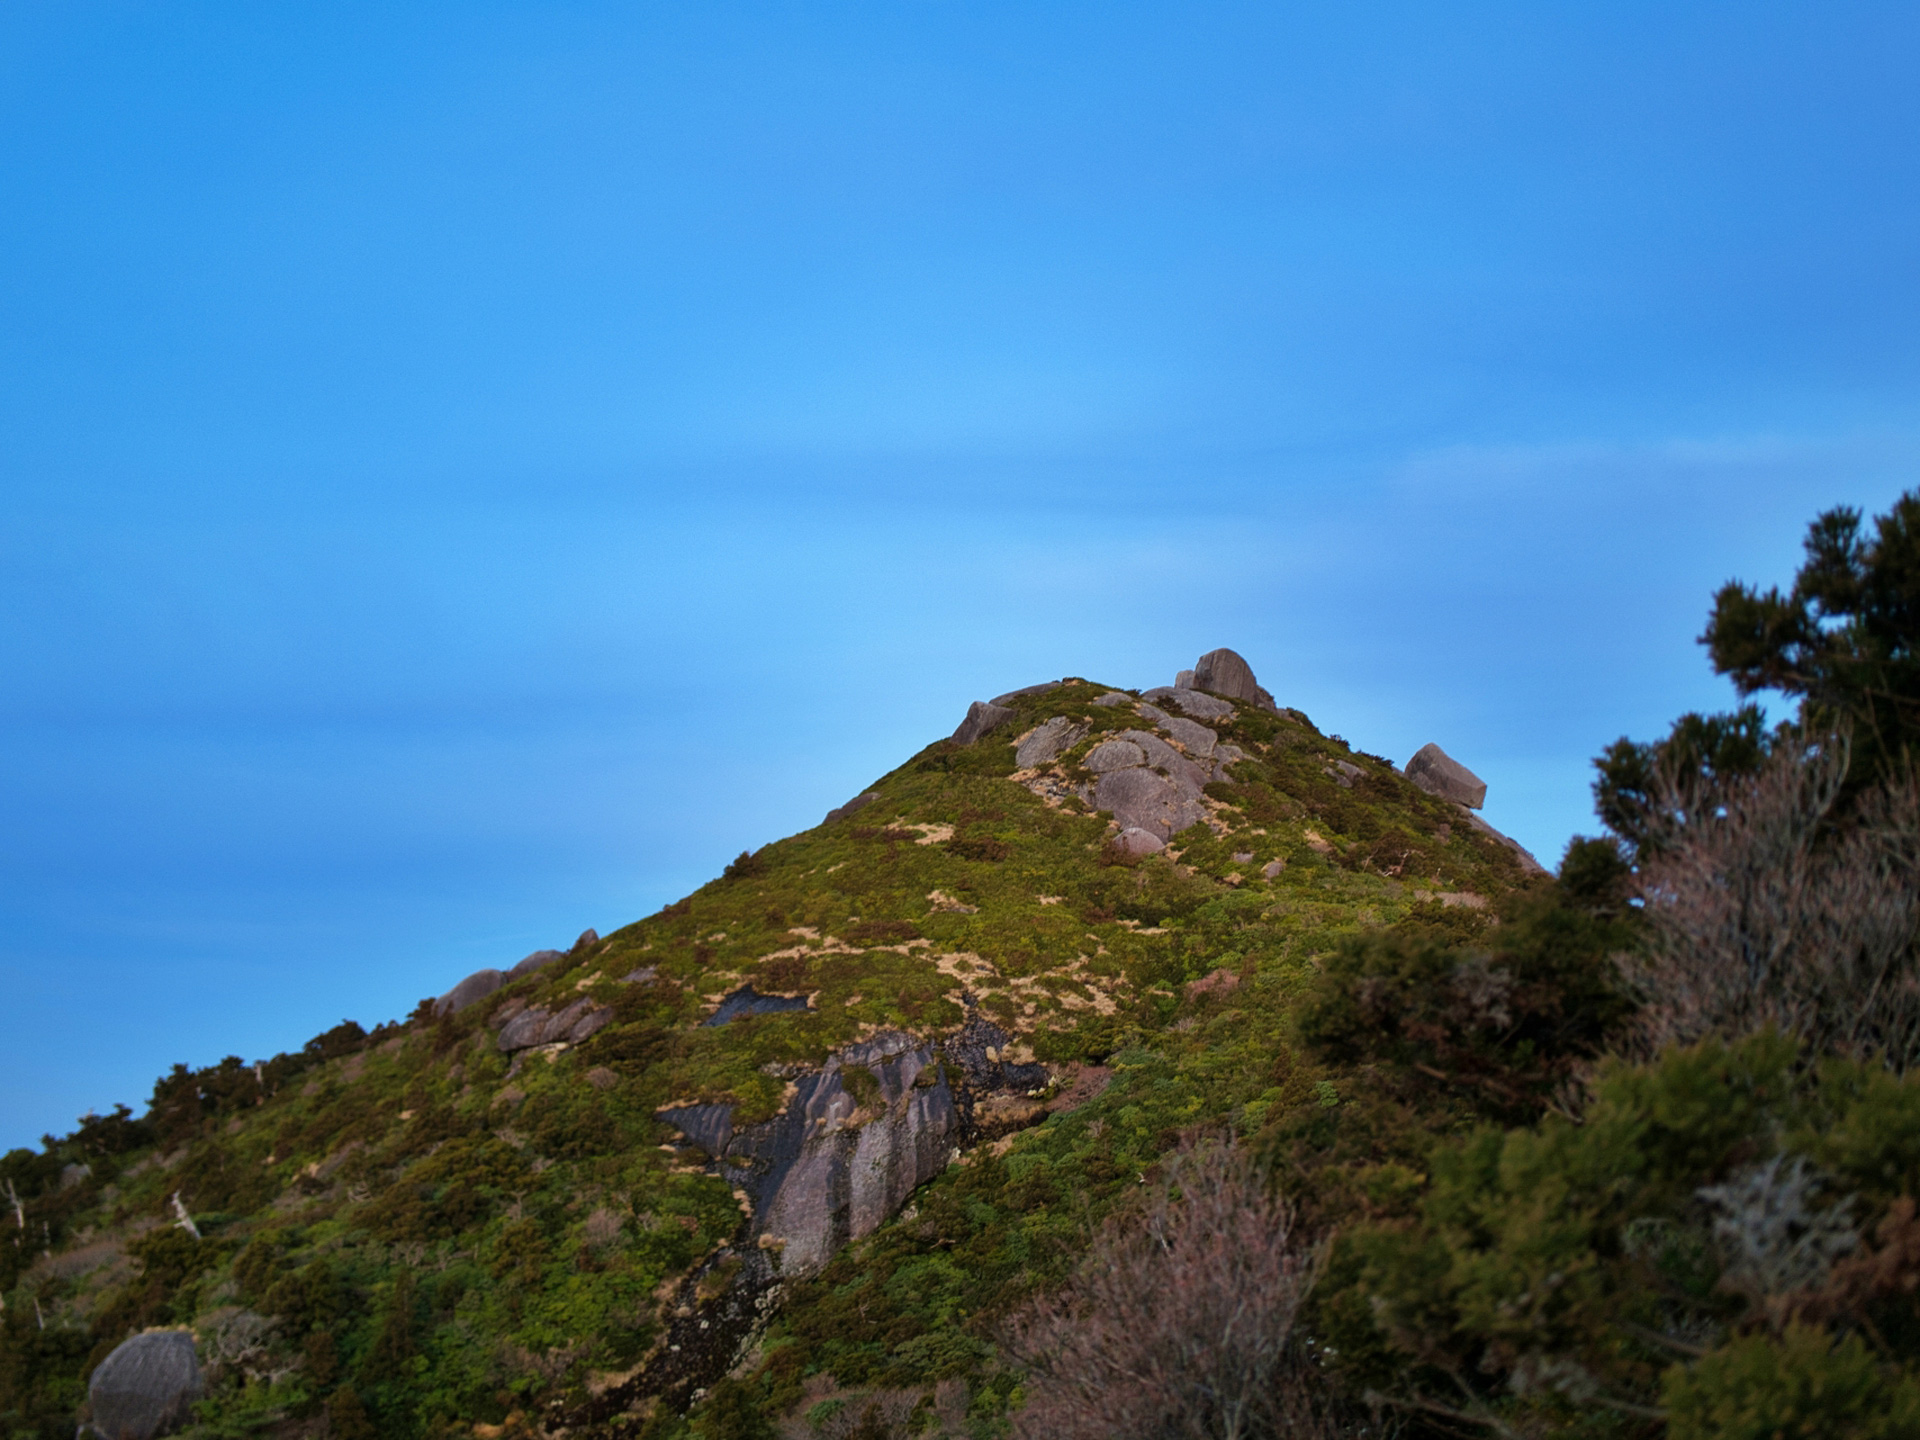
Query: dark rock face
(1225, 673)
(536, 1025)
(476, 986)
(588, 936)
(748, 1001)
(145, 1387)
(1438, 773)
(982, 719)
(535, 961)
(859, 802)
(842, 1158)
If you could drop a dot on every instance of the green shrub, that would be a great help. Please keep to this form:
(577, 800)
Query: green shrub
(1800, 1385)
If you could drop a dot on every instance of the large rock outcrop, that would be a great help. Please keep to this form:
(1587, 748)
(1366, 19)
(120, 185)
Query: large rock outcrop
(145, 1387)
(1438, 773)
(1225, 672)
(848, 1149)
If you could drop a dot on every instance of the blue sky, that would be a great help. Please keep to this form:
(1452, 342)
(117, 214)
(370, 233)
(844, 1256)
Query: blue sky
(471, 470)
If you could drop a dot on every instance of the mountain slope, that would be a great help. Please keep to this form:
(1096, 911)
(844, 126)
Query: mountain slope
(575, 1197)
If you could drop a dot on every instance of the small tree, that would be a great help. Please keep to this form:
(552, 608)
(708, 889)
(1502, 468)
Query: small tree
(1766, 907)
(1179, 1325)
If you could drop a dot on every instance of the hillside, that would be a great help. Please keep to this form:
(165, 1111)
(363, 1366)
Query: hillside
(571, 1200)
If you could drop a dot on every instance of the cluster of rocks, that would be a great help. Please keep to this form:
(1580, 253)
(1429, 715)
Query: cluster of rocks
(1153, 783)
(483, 983)
(526, 1027)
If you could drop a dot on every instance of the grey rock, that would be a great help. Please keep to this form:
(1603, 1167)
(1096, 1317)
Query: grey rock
(1042, 688)
(476, 986)
(1159, 753)
(1113, 697)
(1152, 713)
(1243, 857)
(982, 719)
(1226, 673)
(589, 1024)
(588, 936)
(1196, 703)
(1148, 801)
(525, 1030)
(1114, 755)
(1135, 841)
(748, 1001)
(1273, 868)
(1194, 737)
(1226, 753)
(72, 1175)
(859, 802)
(1438, 773)
(1041, 744)
(539, 959)
(145, 1387)
(1184, 680)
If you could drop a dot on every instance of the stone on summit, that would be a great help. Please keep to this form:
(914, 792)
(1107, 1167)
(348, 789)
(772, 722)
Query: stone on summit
(145, 1387)
(982, 719)
(588, 936)
(533, 962)
(1438, 773)
(476, 986)
(1225, 673)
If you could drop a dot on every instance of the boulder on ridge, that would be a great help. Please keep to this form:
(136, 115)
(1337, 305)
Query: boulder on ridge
(982, 719)
(476, 986)
(1438, 773)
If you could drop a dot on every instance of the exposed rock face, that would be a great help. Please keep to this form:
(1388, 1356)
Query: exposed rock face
(840, 1159)
(982, 719)
(476, 986)
(1226, 673)
(1194, 738)
(1042, 743)
(1148, 800)
(536, 1025)
(145, 1387)
(859, 802)
(1114, 755)
(1438, 773)
(1135, 841)
(748, 1001)
(1114, 697)
(588, 936)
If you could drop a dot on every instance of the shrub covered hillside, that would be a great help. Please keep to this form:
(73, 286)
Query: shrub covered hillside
(416, 1230)
(1126, 1066)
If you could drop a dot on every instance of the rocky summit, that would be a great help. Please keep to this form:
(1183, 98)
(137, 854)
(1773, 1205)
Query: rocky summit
(820, 1123)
